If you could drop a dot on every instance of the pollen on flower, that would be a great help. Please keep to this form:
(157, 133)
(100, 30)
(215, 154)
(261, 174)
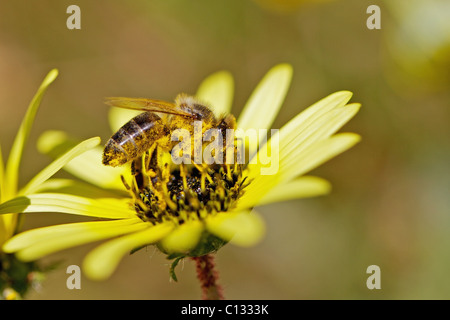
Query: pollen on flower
(178, 193)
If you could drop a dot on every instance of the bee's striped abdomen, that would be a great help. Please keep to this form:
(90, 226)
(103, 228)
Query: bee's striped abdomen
(133, 139)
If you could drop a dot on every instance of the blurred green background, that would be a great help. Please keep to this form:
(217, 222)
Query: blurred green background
(390, 200)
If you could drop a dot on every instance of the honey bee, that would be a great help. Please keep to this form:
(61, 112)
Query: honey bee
(139, 134)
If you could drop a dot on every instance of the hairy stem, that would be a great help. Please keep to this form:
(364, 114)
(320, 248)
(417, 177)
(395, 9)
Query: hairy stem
(208, 277)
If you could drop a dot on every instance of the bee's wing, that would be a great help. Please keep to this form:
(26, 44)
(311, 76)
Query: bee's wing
(143, 104)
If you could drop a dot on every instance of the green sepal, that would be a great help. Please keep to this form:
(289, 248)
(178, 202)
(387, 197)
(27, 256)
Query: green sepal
(208, 243)
(21, 276)
(138, 248)
(174, 264)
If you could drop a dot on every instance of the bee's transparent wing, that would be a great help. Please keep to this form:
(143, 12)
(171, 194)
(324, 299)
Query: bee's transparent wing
(143, 104)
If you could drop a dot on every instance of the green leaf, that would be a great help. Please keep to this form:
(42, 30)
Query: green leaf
(54, 167)
(12, 166)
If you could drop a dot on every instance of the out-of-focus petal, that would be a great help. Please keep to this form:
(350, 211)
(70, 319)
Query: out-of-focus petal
(267, 99)
(119, 116)
(217, 91)
(184, 238)
(101, 262)
(34, 244)
(302, 187)
(241, 228)
(60, 162)
(87, 166)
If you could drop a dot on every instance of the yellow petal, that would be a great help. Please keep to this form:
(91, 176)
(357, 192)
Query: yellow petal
(34, 244)
(6, 221)
(184, 238)
(119, 116)
(109, 208)
(303, 187)
(292, 142)
(2, 174)
(7, 226)
(241, 228)
(316, 122)
(54, 167)
(266, 100)
(12, 166)
(87, 166)
(75, 188)
(302, 122)
(323, 128)
(312, 157)
(321, 152)
(217, 91)
(101, 262)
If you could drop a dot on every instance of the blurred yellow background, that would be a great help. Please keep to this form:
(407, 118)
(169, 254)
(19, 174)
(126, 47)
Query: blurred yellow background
(390, 200)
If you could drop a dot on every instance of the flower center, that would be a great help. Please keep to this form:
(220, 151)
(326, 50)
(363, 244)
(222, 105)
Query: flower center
(163, 191)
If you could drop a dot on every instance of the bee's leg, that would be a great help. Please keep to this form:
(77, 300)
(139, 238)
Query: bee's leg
(136, 171)
(150, 160)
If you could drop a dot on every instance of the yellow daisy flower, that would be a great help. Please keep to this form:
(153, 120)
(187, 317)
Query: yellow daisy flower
(171, 208)
(15, 276)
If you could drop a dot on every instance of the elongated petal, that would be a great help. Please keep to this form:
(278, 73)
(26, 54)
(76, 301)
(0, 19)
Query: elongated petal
(321, 129)
(241, 228)
(303, 187)
(34, 244)
(12, 166)
(304, 120)
(6, 221)
(183, 238)
(302, 127)
(266, 100)
(101, 262)
(7, 226)
(2, 175)
(76, 188)
(289, 146)
(309, 159)
(56, 165)
(217, 90)
(109, 208)
(87, 166)
(321, 152)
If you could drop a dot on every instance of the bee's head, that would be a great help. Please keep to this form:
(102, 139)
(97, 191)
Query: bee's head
(198, 109)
